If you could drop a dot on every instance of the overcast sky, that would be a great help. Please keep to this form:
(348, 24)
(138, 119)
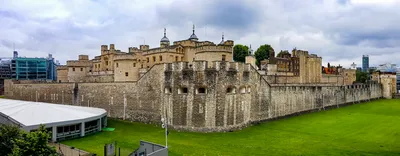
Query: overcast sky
(340, 31)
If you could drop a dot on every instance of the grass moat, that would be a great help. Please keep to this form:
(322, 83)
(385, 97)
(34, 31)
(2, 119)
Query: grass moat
(371, 128)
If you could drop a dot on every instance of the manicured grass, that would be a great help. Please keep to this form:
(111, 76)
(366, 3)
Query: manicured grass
(371, 128)
(1, 96)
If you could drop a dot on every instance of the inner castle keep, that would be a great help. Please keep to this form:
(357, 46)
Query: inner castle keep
(113, 65)
(199, 88)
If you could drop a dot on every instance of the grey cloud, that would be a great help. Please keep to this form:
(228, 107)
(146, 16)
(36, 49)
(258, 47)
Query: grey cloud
(337, 30)
(220, 14)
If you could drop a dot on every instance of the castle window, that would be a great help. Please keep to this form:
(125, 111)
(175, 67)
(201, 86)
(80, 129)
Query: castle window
(106, 63)
(134, 64)
(230, 90)
(167, 90)
(117, 65)
(73, 69)
(248, 89)
(223, 57)
(81, 69)
(201, 90)
(126, 73)
(242, 90)
(182, 58)
(141, 66)
(148, 60)
(183, 90)
(160, 58)
(154, 59)
(176, 58)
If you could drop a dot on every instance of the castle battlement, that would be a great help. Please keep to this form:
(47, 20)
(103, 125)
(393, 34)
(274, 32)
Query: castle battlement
(62, 67)
(214, 48)
(297, 53)
(78, 63)
(124, 57)
(133, 49)
(158, 50)
(204, 43)
(203, 65)
(104, 47)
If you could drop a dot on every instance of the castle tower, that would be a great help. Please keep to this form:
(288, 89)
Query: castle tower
(193, 37)
(250, 51)
(164, 42)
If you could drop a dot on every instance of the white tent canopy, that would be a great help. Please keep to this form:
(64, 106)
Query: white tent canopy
(30, 115)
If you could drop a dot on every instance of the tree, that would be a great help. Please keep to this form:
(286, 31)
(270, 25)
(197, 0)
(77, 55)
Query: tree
(371, 70)
(16, 142)
(361, 76)
(240, 52)
(8, 134)
(282, 53)
(262, 53)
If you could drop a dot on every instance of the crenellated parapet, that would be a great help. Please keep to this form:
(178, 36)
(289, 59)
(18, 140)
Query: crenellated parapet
(78, 63)
(124, 57)
(212, 48)
(133, 49)
(62, 67)
(205, 65)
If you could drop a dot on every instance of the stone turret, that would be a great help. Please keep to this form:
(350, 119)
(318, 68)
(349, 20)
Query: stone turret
(193, 37)
(164, 42)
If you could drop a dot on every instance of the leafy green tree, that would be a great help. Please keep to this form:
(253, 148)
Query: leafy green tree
(281, 53)
(361, 76)
(371, 70)
(15, 142)
(34, 143)
(240, 52)
(262, 53)
(8, 134)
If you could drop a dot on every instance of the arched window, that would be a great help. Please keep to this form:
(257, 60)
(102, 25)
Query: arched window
(231, 90)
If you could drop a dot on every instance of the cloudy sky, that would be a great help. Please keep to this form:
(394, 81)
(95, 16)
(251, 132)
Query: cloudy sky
(340, 31)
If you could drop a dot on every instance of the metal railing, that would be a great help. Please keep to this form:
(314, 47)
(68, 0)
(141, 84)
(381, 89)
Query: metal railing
(65, 150)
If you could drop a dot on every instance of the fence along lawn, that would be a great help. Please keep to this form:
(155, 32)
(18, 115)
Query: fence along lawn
(371, 128)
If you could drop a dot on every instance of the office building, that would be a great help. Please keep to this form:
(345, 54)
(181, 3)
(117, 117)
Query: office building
(365, 63)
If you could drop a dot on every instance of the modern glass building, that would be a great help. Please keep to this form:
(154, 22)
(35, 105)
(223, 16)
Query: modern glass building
(29, 68)
(5, 69)
(33, 68)
(365, 63)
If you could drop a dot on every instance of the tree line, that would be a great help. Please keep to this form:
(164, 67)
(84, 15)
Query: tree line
(263, 52)
(16, 142)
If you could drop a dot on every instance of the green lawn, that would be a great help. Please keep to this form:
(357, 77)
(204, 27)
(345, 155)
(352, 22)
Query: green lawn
(1, 96)
(363, 129)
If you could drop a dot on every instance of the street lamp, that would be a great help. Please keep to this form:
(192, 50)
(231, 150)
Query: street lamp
(165, 126)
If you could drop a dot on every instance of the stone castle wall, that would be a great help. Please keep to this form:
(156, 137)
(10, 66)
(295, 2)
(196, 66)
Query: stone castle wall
(200, 96)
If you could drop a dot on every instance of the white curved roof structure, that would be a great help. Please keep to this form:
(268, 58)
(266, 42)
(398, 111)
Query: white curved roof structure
(30, 115)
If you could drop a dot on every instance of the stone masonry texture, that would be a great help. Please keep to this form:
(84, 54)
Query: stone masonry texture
(201, 96)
